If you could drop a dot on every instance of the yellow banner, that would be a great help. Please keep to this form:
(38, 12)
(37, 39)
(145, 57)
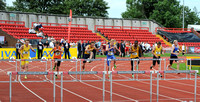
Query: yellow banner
(6, 53)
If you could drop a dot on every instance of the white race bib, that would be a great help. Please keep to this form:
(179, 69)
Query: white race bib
(157, 52)
(134, 53)
(110, 53)
(57, 53)
(25, 52)
(40, 47)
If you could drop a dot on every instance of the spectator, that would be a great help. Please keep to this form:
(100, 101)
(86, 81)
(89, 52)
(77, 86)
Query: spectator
(32, 31)
(40, 34)
(40, 47)
(52, 38)
(99, 45)
(62, 40)
(51, 44)
(94, 50)
(122, 48)
(46, 44)
(183, 49)
(37, 26)
(18, 45)
(79, 47)
(83, 48)
(66, 46)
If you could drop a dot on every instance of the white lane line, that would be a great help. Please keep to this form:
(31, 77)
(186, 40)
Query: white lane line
(71, 91)
(141, 89)
(30, 90)
(106, 90)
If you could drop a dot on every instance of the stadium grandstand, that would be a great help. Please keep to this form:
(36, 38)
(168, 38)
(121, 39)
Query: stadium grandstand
(59, 58)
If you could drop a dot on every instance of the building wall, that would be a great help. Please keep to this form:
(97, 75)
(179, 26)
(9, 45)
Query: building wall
(28, 18)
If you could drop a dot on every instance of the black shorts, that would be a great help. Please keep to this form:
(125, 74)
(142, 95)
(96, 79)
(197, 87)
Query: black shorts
(58, 63)
(86, 57)
(173, 57)
(132, 61)
(154, 61)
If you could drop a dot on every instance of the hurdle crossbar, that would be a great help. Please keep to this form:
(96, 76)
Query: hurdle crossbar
(178, 71)
(130, 72)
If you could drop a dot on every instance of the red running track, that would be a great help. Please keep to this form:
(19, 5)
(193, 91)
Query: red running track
(129, 91)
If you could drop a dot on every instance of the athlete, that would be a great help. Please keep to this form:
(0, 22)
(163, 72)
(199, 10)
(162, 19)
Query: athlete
(57, 55)
(174, 54)
(110, 52)
(157, 50)
(89, 53)
(135, 50)
(25, 54)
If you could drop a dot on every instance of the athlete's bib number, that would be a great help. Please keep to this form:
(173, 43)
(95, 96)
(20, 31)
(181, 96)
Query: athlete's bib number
(25, 52)
(157, 52)
(110, 53)
(134, 53)
(57, 53)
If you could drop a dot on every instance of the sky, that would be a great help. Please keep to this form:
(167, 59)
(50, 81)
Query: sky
(119, 6)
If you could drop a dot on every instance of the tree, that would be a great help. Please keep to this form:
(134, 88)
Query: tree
(2, 5)
(79, 7)
(166, 12)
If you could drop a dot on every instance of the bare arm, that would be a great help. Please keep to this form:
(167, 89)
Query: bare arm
(86, 48)
(117, 50)
(32, 48)
(50, 52)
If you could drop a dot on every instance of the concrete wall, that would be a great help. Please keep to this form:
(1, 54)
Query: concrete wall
(32, 18)
(108, 22)
(24, 17)
(4, 16)
(91, 22)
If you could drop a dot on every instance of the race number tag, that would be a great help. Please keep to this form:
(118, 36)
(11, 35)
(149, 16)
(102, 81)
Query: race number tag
(40, 47)
(110, 53)
(157, 52)
(57, 53)
(134, 53)
(25, 52)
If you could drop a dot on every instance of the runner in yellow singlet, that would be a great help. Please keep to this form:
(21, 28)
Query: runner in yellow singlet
(157, 51)
(135, 50)
(25, 54)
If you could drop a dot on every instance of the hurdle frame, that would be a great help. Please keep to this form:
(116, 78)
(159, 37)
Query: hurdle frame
(9, 73)
(130, 72)
(177, 71)
(86, 73)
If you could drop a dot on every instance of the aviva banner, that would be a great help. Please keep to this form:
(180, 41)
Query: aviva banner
(6, 53)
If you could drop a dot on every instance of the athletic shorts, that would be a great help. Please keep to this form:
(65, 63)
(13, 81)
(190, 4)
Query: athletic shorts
(173, 57)
(86, 57)
(58, 62)
(110, 57)
(24, 62)
(132, 61)
(154, 61)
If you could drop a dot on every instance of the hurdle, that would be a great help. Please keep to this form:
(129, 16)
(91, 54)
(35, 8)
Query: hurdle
(137, 60)
(178, 59)
(178, 71)
(190, 65)
(27, 73)
(130, 72)
(82, 73)
(88, 60)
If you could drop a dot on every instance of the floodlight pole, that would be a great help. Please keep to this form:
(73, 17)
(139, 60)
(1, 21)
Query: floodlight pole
(183, 16)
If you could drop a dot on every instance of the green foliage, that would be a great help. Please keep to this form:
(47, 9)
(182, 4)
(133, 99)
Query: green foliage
(79, 7)
(166, 12)
(2, 5)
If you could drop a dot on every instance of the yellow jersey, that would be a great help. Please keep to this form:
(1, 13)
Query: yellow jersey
(135, 52)
(26, 52)
(89, 48)
(157, 51)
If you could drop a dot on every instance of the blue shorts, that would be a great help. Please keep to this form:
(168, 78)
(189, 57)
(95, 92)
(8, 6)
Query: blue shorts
(110, 57)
